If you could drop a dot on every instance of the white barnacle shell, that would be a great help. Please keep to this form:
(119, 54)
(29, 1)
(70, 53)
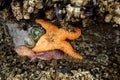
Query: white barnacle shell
(117, 19)
(69, 10)
(117, 9)
(79, 2)
(39, 4)
(25, 4)
(30, 9)
(73, 12)
(77, 12)
(32, 3)
(27, 16)
(108, 17)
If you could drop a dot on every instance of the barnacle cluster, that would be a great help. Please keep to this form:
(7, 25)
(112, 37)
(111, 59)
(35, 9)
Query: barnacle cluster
(112, 10)
(22, 10)
(75, 10)
(83, 11)
(71, 10)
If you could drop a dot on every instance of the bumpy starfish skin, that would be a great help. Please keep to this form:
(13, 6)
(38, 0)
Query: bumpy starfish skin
(55, 39)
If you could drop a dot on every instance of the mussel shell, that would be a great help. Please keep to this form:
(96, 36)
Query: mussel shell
(5, 4)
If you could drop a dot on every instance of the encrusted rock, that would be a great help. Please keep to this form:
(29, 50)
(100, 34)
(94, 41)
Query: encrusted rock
(112, 8)
(28, 7)
(16, 9)
(74, 12)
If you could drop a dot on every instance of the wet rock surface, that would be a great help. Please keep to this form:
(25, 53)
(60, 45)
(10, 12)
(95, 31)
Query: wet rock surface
(99, 45)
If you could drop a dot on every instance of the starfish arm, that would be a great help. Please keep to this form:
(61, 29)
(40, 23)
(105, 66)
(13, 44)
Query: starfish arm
(73, 35)
(67, 48)
(46, 25)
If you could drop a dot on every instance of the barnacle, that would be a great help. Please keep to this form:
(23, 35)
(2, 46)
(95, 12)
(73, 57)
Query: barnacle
(28, 7)
(74, 13)
(113, 10)
(16, 9)
(79, 2)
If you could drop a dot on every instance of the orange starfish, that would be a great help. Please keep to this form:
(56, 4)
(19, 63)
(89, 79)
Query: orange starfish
(55, 39)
